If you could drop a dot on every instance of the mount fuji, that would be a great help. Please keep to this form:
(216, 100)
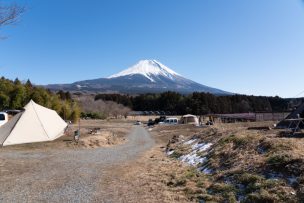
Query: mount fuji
(147, 76)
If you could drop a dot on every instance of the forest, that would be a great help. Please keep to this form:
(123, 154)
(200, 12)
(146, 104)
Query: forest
(198, 103)
(15, 95)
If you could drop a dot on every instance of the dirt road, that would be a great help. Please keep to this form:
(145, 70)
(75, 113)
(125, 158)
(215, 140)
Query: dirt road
(67, 175)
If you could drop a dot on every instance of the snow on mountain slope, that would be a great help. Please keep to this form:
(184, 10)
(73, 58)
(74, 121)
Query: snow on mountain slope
(149, 69)
(147, 76)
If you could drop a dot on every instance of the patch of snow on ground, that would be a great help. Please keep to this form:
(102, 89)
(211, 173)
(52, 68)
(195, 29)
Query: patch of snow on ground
(206, 170)
(292, 180)
(274, 176)
(261, 150)
(192, 159)
(170, 152)
(190, 141)
(202, 147)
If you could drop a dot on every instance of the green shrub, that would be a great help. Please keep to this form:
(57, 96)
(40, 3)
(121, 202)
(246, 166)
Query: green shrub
(279, 159)
(230, 197)
(191, 173)
(262, 197)
(247, 178)
(176, 154)
(237, 140)
(180, 182)
(275, 145)
(221, 188)
(205, 197)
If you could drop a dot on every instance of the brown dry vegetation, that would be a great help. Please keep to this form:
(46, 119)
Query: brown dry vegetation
(247, 165)
(146, 179)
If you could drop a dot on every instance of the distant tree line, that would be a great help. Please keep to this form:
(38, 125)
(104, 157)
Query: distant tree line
(15, 95)
(198, 103)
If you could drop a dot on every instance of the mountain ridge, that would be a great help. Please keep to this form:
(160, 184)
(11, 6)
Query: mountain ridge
(146, 76)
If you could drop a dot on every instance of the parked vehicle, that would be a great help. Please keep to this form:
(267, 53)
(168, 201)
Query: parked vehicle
(137, 123)
(3, 118)
(170, 121)
(160, 119)
(209, 122)
(150, 122)
(12, 112)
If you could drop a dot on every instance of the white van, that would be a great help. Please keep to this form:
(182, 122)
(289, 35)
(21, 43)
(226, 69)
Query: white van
(171, 121)
(3, 118)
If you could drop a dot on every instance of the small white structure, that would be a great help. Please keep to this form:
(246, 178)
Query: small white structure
(189, 119)
(35, 124)
(3, 118)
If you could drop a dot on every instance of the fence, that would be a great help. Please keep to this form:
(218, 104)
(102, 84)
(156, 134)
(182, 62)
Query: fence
(251, 117)
(271, 116)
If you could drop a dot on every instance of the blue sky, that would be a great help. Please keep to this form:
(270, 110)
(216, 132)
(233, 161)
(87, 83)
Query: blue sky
(250, 47)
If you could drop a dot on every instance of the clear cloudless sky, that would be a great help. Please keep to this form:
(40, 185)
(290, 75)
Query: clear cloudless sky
(242, 46)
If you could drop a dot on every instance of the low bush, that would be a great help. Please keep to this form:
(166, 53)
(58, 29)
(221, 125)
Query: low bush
(279, 159)
(261, 197)
(192, 173)
(176, 154)
(238, 140)
(221, 188)
(247, 178)
(276, 145)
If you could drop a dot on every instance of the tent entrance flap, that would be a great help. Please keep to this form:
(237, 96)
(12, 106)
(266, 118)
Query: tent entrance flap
(7, 128)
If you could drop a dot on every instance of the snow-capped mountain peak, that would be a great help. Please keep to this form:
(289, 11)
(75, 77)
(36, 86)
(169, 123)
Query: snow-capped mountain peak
(149, 69)
(147, 76)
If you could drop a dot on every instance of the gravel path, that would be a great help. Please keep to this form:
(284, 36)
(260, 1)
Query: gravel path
(66, 175)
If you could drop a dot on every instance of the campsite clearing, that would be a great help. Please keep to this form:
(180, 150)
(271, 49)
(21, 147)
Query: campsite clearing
(63, 175)
(132, 171)
(111, 133)
(242, 160)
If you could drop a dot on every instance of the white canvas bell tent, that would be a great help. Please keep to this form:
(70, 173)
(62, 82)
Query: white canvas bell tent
(189, 119)
(35, 124)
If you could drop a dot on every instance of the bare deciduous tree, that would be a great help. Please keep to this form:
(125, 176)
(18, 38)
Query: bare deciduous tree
(106, 108)
(9, 14)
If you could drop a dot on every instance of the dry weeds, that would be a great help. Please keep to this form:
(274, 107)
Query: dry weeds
(256, 165)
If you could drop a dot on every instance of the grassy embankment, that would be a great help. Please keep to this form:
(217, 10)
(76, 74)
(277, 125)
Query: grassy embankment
(242, 165)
